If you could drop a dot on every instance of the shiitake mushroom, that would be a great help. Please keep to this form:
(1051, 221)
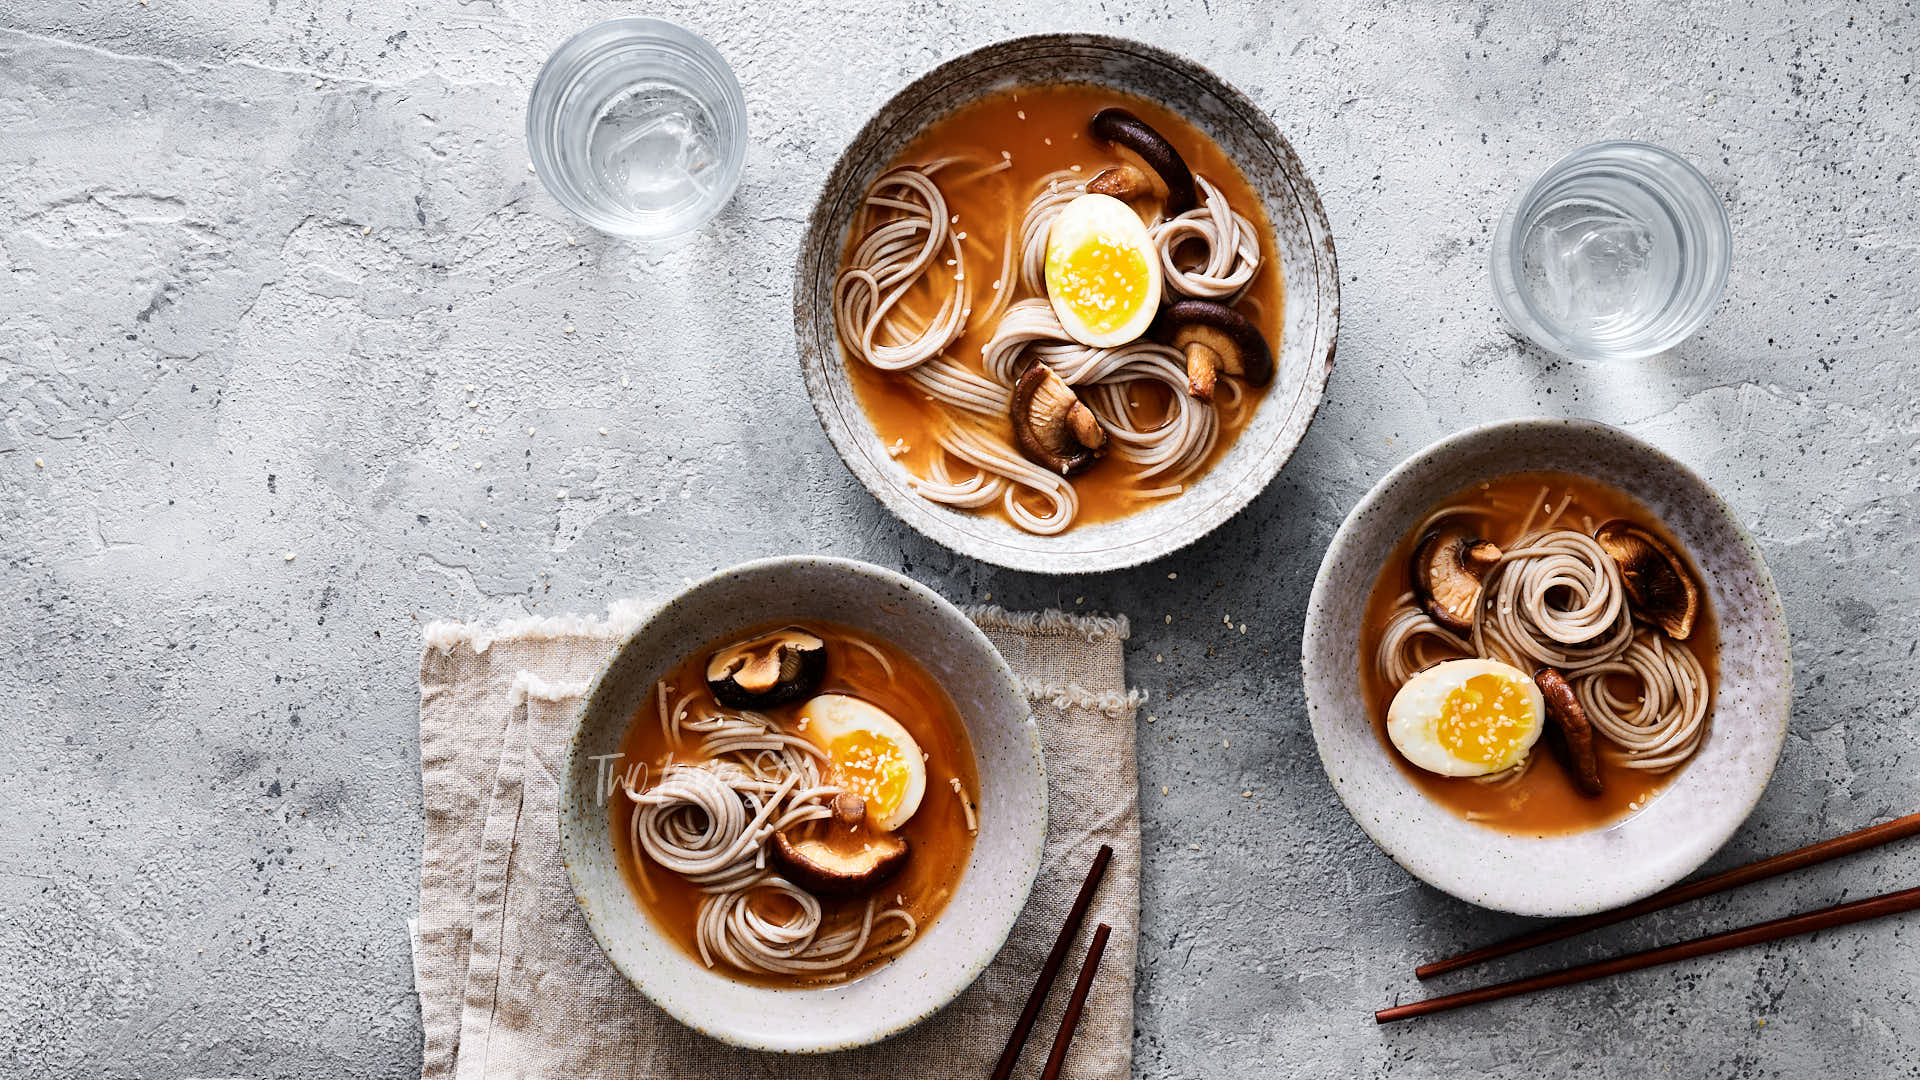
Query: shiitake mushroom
(1446, 570)
(839, 866)
(1658, 582)
(1569, 731)
(1214, 338)
(768, 670)
(1148, 153)
(1051, 425)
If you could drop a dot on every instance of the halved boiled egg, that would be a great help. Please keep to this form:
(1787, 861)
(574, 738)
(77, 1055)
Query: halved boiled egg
(1103, 276)
(869, 754)
(1466, 717)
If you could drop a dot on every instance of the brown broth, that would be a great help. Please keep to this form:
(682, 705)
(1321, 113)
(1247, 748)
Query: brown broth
(937, 833)
(1543, 801)
(1021, 122)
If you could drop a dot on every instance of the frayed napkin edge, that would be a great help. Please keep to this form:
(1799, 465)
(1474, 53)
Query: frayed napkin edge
(623, 617)
(1095, 628)
(1113, 704)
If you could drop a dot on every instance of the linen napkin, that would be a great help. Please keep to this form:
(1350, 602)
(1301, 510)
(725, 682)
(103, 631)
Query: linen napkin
(512, 983)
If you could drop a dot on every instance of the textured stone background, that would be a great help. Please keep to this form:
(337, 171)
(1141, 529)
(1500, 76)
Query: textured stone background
(267, 263)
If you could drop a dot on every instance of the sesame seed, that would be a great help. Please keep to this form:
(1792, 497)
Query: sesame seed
(288, 556)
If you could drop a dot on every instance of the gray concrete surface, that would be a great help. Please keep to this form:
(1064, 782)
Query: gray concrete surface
(266, 264)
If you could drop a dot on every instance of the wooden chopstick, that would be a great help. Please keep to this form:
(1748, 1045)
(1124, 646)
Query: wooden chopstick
(1069, 930)
(1799, 858)
(1071, 1018)
(1891, 903)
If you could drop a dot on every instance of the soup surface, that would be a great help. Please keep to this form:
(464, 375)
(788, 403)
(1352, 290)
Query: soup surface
(1543, 799)
(939, 834)
(1040, 130)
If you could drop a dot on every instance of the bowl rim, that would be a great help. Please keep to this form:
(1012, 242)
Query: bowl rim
(1316, 679)
(943, 527)
(717, 1024)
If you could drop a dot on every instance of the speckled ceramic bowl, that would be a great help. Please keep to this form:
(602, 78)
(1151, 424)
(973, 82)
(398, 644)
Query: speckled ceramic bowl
(1586, 872)
(992, 891)
(1301, 236)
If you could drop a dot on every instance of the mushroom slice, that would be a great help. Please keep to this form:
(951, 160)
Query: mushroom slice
(1052, 425)
(1570, 733)
(1657, 581)
(768, 670)
(839, 865)
(1123, 182)
(1215, 338)
(1447, 567)
(1146, 149)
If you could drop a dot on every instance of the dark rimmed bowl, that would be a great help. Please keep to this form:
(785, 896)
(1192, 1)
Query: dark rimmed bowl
(1302, 240)
(1578, 873)
(991, 892)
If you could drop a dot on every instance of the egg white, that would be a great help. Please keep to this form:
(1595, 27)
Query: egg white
(830, 716)
(1414, 716)
(1091, 216)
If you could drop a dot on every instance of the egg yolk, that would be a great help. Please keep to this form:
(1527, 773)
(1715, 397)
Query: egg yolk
(1103, 281)
(871, 767)
(1484, 719)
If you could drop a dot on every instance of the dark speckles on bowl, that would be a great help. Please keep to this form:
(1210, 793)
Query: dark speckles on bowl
(1301, 236)
(1585, 872)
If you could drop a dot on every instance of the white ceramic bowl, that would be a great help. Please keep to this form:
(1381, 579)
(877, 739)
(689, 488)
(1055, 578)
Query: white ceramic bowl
(1585, 872)
(991, 893)
(1302, 239)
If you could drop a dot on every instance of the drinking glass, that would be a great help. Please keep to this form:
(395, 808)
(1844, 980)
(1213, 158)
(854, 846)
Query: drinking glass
(639, 128)
(1619, 251)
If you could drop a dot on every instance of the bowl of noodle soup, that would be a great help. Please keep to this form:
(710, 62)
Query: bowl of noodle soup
(958, 180)
(672, 849)
(1714, 707)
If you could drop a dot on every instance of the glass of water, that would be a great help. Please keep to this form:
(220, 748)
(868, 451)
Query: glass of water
(639, 128)
(1621, 250)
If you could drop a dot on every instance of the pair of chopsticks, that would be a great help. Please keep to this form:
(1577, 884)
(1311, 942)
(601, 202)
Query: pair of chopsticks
(1892, 903)
(1070, 1019)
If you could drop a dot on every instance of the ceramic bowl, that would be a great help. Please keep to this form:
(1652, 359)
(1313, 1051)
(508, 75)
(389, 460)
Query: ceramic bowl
(1585, 872)
(991, 893)
(1302, 238)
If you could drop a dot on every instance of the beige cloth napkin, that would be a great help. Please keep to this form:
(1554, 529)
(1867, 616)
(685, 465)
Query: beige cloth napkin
(511, 982)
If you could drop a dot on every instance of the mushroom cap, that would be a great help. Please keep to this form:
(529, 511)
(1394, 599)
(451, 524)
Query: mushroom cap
(1446, 569)
(1657, 580)
(1220, 329)
(856, 861)
(768, 670)
(1051, 425)
(1120, 128)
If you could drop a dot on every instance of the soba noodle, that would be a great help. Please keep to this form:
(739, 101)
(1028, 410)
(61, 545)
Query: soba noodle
(711, 822)
(1232, 247)
(907, 238)
(1557, 600)
(1665, 725)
